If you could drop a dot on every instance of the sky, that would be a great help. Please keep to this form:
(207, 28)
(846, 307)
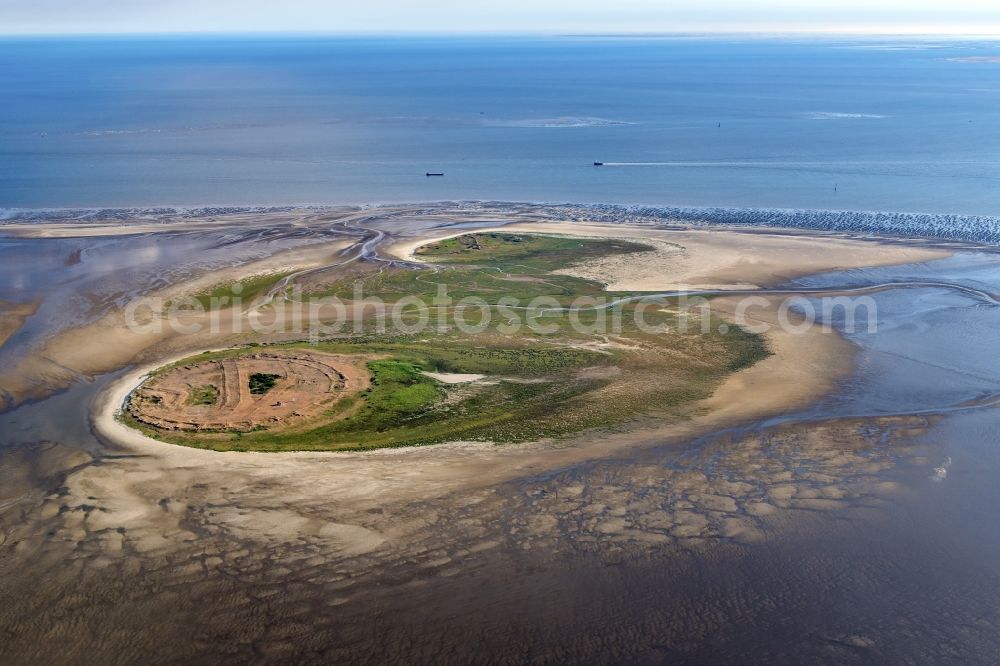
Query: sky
(980, 17)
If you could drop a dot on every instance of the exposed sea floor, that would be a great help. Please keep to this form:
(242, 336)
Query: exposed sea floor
(76, 280)
(857, 530)
(981, 229)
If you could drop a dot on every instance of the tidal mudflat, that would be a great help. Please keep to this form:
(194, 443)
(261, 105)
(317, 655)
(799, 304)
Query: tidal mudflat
(833, 492)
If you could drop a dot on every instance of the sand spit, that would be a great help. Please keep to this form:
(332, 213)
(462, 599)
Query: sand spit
(699, 258)
(801, 369)
(95, 230)
(122, 224)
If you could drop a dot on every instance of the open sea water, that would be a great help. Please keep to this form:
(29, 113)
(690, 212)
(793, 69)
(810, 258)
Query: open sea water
(870, 125)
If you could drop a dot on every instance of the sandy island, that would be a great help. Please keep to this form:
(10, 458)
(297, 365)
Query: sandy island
(293, 486)
(297, 532)
(802, 368)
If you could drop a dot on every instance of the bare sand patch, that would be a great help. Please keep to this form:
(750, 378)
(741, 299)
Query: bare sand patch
(728, 259)
(801, 369)
(454, 377)
(94, 230)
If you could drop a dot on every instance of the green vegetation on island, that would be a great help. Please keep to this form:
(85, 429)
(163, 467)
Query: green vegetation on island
(203, 395)
(246, 291)
(571, 372)
(262, 382)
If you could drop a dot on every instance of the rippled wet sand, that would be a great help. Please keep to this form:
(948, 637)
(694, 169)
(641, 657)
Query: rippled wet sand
(783, 544)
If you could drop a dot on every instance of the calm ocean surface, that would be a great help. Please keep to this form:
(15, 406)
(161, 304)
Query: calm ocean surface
(870, 125)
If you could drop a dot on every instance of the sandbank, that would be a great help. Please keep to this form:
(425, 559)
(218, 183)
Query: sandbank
(331, 496)
(709, 259)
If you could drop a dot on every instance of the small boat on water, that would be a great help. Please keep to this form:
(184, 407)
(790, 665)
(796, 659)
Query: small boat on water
(432, 173)
(598, 163)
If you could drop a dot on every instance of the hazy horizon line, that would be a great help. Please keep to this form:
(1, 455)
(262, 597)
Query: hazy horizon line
(795, 32)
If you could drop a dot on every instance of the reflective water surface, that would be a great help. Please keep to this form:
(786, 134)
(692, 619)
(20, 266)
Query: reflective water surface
(860, 124)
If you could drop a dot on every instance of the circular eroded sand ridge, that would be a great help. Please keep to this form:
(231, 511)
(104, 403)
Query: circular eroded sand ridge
(245, 392)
